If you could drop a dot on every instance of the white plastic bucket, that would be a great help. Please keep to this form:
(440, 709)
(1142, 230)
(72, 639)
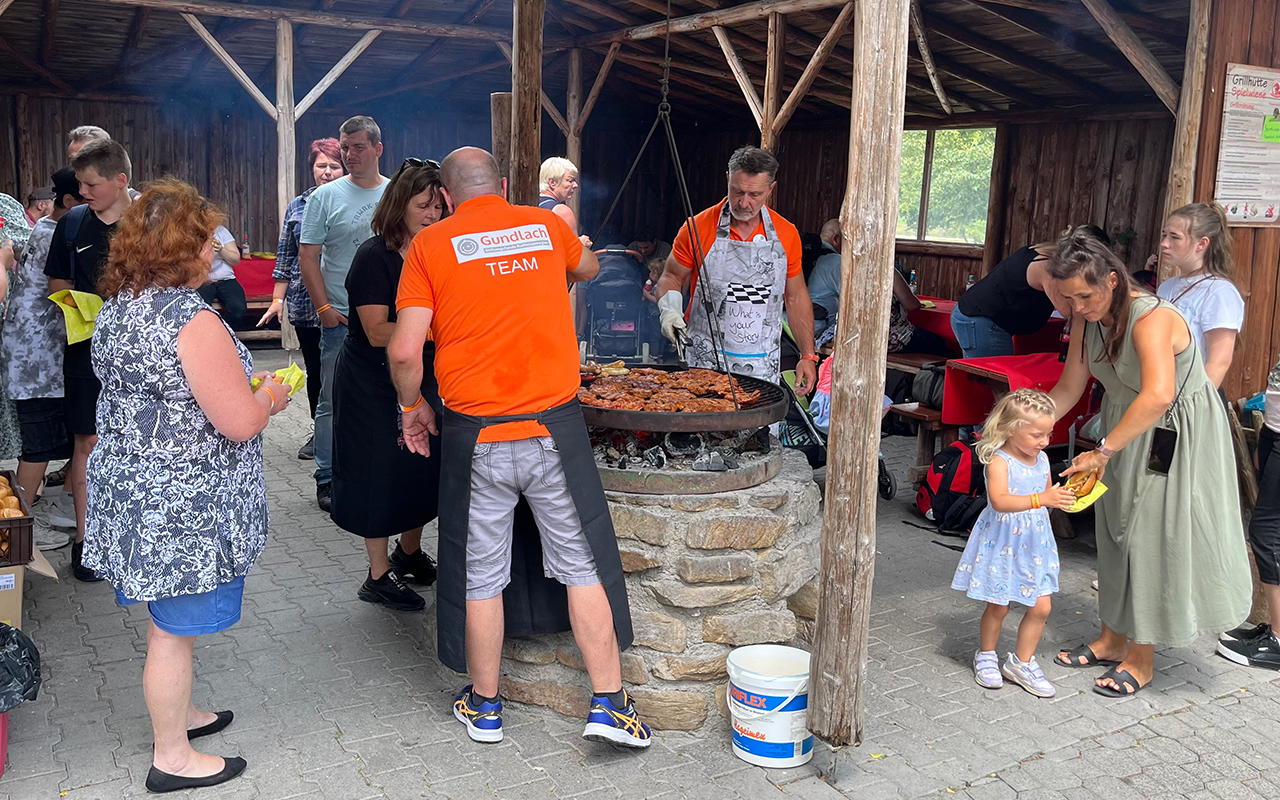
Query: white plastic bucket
(769, 705)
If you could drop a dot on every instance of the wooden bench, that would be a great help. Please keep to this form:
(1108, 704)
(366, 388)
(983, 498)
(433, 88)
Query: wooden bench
(931, 434)
(912, 363)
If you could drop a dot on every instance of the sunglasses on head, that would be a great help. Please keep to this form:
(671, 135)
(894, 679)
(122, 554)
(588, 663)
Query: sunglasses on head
(418, 163)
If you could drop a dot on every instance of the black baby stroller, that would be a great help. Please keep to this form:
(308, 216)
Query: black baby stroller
(614, 304)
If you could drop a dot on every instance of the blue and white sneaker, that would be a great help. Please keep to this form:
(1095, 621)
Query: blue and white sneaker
(1028, 675)
(611, 725)
(483, 721)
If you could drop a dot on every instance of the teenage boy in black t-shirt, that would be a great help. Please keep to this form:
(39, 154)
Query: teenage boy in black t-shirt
(103, 169)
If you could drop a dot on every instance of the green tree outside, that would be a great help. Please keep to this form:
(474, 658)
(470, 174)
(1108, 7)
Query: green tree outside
(960, 180)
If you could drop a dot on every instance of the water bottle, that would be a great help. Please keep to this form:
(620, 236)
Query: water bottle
(969, 283)
(244, 247)
(915, 288)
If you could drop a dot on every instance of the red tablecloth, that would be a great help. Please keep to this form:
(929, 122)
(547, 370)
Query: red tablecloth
(966, 399)
(936, 320)
(254, 275)
(1046, 340)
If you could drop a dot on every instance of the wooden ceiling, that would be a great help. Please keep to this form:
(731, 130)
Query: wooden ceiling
(993, 56)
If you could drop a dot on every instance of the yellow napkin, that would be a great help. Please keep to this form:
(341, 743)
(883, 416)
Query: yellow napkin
(1081, 503)
(928, 304)
(291, 376)
(78, 312)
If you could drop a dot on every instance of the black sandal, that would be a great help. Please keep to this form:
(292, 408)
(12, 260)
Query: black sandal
(1086, 652)
(1122, 677)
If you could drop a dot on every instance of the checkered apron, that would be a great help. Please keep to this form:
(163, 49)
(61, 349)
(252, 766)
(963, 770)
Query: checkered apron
(746, 294)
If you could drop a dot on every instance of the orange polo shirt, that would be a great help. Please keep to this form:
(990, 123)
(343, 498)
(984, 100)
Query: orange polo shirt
(708, 220)
(494, 274)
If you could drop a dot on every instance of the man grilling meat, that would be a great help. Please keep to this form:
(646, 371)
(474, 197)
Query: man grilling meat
(751, 259)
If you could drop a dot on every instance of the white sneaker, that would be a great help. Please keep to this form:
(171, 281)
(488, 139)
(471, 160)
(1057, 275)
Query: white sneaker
(56, 512)
(47, 538)
(1028, 675)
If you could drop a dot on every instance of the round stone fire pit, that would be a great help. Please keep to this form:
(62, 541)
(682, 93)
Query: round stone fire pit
(705, 573)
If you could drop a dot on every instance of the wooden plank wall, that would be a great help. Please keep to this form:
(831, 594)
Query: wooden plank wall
(1244, 32)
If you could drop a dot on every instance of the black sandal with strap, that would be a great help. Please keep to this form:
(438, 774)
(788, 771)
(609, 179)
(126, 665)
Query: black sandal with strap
(1129, 684)
(1086, 652)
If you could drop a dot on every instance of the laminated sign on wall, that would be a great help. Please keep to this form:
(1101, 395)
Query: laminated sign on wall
(1248, 185)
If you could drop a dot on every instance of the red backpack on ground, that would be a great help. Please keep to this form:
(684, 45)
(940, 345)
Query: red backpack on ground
(954, 490)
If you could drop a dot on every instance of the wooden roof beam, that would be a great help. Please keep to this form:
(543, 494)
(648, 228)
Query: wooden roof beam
(4, 5)
(164, 56)
(740, 75)
(1167, 31)
(596, 87)
(335, 72)
(993, 85)
(35, 67)
(432, 81)
(1014, 58)
(925, 87)
(547, 104)
(230, 63)
(734, 15)
(813, 68)
(1049, 29)
(49, 23)
(926, 55)
(466, 18)
(443, 30)
(134, 38)
(1133, 48)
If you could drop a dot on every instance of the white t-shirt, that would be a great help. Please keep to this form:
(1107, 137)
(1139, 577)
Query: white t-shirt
(337, 218)
(1208, 303)
(221, 270)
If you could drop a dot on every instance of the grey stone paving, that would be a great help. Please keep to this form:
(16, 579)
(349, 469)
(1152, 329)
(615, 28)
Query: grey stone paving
(338, 699)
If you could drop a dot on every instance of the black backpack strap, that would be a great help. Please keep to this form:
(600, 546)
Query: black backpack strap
(75, 218)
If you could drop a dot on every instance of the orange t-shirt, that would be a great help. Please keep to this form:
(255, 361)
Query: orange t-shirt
(494, 274)
(706, 223)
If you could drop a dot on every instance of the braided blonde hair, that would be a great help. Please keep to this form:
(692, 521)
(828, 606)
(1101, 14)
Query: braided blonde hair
(1012, 412)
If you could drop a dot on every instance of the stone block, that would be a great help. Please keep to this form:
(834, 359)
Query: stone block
(681, 595)
(637, 562)
(805, 601)
(633, 669)
(722, 701)
(658, 631)
(691, 669)
(641, 525)
(783, 576)
(716, 569)
(529, 651)
(671, 711)
(572, 701)
(737, 531)
(751, 627)
(771, 500)
(804, 631)
(703, 502)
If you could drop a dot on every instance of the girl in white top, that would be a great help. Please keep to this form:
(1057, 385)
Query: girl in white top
(1197, 243)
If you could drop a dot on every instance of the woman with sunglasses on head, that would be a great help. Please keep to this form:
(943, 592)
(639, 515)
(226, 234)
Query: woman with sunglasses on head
(380, 488)
(290, 292)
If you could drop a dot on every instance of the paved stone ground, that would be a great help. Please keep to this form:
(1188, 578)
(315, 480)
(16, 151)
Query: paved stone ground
(335, 698)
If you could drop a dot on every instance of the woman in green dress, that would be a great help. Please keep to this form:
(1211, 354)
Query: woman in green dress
(1171, 554)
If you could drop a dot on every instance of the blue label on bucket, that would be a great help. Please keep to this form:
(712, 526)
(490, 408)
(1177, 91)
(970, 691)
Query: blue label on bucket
(772, 749)
(762, 702)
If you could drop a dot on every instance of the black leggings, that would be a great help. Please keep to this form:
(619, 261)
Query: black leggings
(309, 338)
(1264, 528)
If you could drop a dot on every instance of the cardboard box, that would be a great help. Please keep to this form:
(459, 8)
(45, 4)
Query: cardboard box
(11, 579)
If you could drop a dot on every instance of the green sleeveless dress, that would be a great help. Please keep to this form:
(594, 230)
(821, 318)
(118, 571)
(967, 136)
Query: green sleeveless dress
(1171, 549)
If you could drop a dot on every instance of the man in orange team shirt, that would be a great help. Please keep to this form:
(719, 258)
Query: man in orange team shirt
(488, 282)
(750, 270)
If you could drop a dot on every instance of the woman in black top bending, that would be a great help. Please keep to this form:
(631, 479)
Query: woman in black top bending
(380, 488)
(1014, 299)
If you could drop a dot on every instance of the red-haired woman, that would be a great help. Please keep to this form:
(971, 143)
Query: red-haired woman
(177, 498)
(326, 166)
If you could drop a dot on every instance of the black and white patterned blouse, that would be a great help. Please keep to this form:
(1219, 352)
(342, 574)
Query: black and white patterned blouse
(175, 507)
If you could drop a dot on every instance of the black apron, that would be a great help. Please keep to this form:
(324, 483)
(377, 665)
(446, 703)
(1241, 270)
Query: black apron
(532, 603)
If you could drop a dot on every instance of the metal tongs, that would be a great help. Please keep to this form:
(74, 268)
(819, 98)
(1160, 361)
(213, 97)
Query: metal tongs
(682, 341)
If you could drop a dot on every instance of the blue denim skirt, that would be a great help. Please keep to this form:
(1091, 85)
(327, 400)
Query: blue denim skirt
(194, 614)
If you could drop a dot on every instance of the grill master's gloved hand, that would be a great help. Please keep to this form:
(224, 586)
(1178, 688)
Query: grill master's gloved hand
(671, 317)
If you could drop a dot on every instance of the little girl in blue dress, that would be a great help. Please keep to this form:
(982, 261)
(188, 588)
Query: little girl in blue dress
(1011, 555)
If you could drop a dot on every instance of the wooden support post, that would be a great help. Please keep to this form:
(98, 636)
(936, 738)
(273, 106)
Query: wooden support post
(573, 105)
(812, 69)
(335, 73)
(1128, 43)
(926, 55)
(526, 100)
(774, 66)
(594, 94)
(4, 5)
(1186, 129)
(547, 104)
(286, 140)
(500, 125)
(740, 75)
(231, 65)
(993, 244)
(868, 219)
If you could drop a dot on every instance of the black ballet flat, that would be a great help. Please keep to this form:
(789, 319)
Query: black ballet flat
(160, 782)
(223, 720)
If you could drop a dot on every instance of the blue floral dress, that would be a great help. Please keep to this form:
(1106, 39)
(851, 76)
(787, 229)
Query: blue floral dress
(175, 508)
(1012, 556)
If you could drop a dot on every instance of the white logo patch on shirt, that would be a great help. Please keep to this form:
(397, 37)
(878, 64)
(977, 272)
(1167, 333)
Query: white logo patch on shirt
(507, 242)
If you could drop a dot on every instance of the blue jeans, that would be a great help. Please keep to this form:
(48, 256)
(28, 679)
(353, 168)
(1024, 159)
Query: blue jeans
(331, 340)
(979, 337)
